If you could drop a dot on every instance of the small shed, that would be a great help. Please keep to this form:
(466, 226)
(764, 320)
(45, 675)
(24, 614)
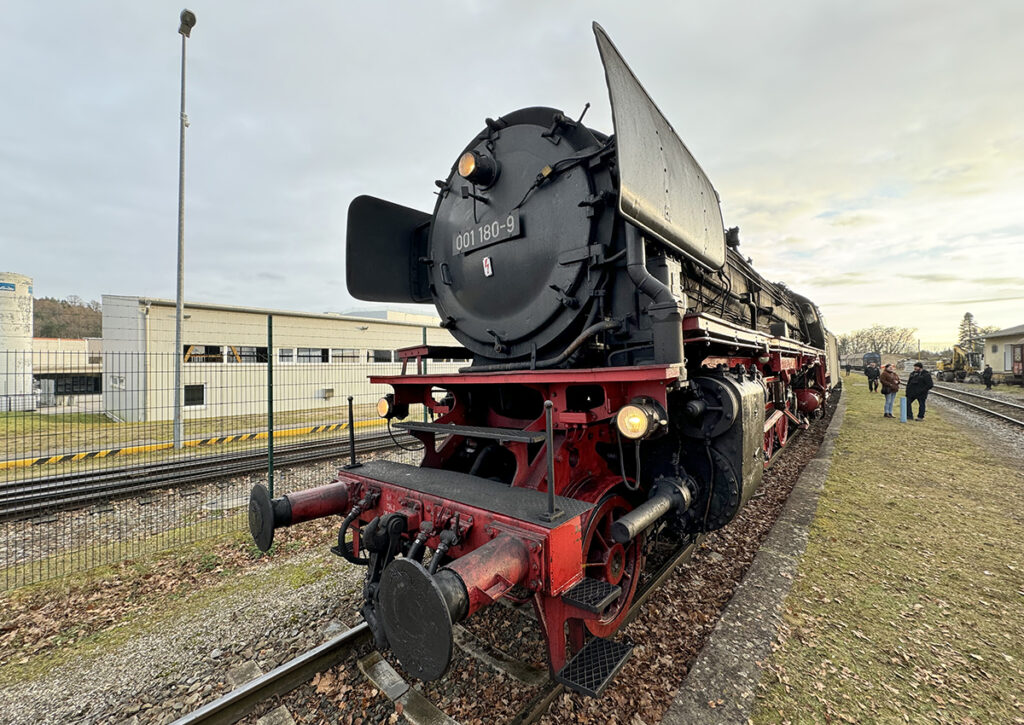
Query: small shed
(999, 349)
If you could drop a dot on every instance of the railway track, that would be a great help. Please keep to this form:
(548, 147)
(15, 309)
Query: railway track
(240, 702)
(244, 700)
(415, 707)
(45, 495)
(1009, 412)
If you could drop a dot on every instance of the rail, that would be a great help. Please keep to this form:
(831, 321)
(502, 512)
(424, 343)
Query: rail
(29, 498)
(988, 411)
(282, 679)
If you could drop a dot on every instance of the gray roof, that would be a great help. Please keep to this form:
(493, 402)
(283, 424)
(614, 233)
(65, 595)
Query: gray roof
(1018, 330)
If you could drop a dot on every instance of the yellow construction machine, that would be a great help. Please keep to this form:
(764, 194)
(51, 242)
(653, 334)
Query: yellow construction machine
(962, 368)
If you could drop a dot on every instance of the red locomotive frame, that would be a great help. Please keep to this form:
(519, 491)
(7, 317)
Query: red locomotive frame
(500, 537)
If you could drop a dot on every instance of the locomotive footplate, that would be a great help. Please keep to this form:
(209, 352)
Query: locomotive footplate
(473, 491)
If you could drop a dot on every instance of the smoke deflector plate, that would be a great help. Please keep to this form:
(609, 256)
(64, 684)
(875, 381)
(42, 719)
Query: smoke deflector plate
(662, 188)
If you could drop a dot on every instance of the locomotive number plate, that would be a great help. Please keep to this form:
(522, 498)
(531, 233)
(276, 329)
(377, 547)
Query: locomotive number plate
(483, 235)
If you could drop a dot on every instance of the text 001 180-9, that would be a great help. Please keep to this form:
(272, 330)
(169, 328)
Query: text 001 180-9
(487, 233)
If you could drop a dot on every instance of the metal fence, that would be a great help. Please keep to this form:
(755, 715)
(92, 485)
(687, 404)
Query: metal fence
(90, 472)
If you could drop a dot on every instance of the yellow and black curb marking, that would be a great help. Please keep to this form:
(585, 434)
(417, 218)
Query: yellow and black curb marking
(195, 443)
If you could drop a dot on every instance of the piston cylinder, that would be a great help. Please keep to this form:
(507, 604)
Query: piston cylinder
(668, 495)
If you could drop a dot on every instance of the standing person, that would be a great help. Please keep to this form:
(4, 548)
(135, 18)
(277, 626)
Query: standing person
(987, 376)
(872, 372)
(847, 368)
(918, 385)
(890, 386)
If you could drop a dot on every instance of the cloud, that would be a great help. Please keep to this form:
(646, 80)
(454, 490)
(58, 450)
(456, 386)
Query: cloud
(870, 151)
(844, 279)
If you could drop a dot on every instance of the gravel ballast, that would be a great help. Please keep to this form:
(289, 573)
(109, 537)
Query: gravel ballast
(173, 666)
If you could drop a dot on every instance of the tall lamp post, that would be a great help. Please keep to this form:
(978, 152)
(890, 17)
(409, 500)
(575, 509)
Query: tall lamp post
(188, 21)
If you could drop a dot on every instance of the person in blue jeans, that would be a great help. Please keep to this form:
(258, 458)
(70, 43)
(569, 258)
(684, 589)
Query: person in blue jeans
(890, 386)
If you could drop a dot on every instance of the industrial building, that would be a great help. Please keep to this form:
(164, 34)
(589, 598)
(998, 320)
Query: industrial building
(318, 359)
(66, 368)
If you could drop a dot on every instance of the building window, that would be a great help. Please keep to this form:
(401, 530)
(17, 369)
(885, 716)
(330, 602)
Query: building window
(1008, 358)
(195, 395)
(204, 354)
(347, 354)
(313, 354)
(245, 354)
(76, 384)
(995, 348)
(378, 356)
(286, 355)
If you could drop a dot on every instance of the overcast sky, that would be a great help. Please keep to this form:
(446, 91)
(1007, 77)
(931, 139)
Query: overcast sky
(872, 153)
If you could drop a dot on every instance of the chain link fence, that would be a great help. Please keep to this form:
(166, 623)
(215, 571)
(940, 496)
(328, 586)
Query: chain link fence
(91, 471)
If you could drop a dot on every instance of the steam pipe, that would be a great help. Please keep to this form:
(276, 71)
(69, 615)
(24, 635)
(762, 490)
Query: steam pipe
(550, 362)
(667, 496)
(636, 266)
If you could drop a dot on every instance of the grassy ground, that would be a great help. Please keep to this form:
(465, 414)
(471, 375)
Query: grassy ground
(30, 434)
(909, 605)
(48, 624)
(1015, 390)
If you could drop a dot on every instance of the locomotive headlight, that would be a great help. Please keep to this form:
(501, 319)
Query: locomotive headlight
(477, 168)
(388, 408)
(640, 419)
(467, 164)
(633, 421)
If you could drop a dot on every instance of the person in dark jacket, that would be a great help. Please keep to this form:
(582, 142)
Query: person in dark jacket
(918, 385)
(890, 386)
(986, 375)
(872, 372)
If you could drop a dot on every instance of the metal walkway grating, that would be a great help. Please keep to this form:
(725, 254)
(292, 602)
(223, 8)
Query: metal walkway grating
(594, 666)
(592, 595)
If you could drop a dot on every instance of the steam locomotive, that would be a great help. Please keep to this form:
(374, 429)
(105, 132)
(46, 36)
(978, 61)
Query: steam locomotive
(631, 377)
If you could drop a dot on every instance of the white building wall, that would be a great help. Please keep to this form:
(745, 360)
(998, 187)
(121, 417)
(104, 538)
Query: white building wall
(228, 388)
(124, 367)
(998, 352)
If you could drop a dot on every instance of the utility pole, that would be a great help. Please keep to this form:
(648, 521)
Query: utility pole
(188, 21)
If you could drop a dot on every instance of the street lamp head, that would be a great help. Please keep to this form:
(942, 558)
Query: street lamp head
(188, 21)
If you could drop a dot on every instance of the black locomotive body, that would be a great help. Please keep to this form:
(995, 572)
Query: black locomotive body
(631, 377)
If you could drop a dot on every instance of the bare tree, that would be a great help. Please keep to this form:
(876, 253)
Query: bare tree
(881, 339)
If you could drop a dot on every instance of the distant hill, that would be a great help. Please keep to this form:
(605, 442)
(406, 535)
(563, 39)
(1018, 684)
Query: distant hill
(70, 317)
